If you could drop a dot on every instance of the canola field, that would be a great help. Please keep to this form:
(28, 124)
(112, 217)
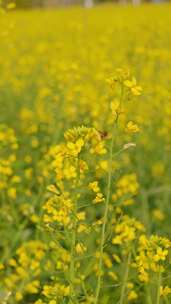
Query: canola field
(85, 155)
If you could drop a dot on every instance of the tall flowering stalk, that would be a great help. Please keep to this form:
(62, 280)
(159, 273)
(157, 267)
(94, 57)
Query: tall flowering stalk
(65, 212)
(126, 86)
(106, 210)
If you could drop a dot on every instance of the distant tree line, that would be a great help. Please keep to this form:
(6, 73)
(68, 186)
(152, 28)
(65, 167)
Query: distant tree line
(45, 3)
(25, 3)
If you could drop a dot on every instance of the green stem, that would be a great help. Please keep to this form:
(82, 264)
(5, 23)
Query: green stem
(105, 218)
(125, 279)
(148, 294)
(73, 244)
(158, 288)
(72, 263)
(145, 211)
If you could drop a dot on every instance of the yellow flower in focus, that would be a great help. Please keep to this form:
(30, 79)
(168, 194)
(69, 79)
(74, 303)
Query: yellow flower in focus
(133, 87)
(99, 198)
(115, 104)
(165, 291)
(80, 248)
(113, 275)
(18, 296)
(94, 186)
(132, 295)
(52, 302)
(132, 127)
(75, 148)
(39, 302)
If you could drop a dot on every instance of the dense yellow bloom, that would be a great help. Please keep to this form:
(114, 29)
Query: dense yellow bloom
(78, 203)
(126, 186)
(153, 252)
(126, 230)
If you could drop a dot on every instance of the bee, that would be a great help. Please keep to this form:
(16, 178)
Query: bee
(103, 134)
